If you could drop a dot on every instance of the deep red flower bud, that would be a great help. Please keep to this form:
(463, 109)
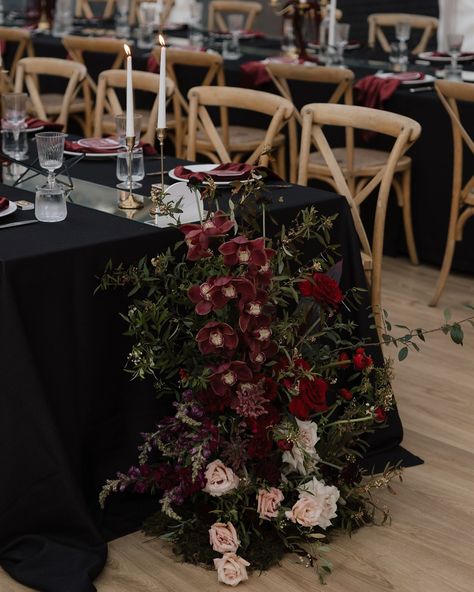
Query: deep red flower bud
(284, 444)
(346, 394)
(380, 415)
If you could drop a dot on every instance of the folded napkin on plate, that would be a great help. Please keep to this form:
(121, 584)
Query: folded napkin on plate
(50, 126)
(233, 171)
(4, 203)
(73, 146)
(374, 92)
(228, 172)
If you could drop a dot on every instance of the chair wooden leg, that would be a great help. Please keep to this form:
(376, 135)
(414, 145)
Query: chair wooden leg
(407, 221)
(281, 168)
(447, 261)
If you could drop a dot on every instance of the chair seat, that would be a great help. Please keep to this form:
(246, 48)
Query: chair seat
(366, 161)
(242, 138)
(52, 103)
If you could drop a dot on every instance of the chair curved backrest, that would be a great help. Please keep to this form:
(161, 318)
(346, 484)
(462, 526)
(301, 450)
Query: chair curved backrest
(167, 7)
(462, 196)
(76, 45)
(404, 130)
(277, 108)
(110, 80)
(30, 68)
(340, 78)
(212, 67)
(218, 8)
(377, 21)
(83, 9)
(24, 47)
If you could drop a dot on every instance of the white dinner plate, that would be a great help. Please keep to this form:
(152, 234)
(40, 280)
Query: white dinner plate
(205, 168)
(431, 56)
(467, 75)
(34, 130)
(93, 155)
(427, 79)
(101, 143)
(9, 210)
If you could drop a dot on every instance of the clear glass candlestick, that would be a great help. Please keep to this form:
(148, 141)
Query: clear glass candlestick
(50, 146)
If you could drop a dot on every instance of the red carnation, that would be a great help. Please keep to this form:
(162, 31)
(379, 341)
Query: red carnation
(241, 250)
(323, 289)
(216, 338)
(361, 360)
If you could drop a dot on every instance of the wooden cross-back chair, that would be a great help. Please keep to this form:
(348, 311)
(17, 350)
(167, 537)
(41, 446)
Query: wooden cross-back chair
(84, 9)
(109, 82)
(217, 145)
(378, 21)
(358, 164)
(167, 7)
(55, 105)
(77, 45)
(462, 197)
(213, 72)
(24, 47)
(219, 8)
(340, 78)
(405, 131)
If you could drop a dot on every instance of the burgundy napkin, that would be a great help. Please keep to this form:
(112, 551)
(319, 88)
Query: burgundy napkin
(4, 203)
(50, 126)
(220, 173)
(254, 73)
(152, 65)
(372, 91)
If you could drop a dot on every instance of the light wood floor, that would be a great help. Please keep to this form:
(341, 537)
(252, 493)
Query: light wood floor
(430, 545)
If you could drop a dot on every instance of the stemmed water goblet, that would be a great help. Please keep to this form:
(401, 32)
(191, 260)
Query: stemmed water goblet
(14, 141)
(50, 146)
(402, 33)
(122, 28)
(454, 48)
(341, 40)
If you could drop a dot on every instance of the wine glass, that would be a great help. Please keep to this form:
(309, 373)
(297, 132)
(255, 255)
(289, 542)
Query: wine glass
(341, 40)
(50, 146)
(454, 48)
(138, 169)
(402, 33)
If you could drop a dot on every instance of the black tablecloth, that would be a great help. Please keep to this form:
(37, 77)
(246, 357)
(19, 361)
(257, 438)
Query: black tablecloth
(70, 417)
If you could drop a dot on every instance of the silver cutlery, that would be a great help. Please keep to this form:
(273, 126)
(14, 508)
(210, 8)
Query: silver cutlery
(421, 89)
(21, 223)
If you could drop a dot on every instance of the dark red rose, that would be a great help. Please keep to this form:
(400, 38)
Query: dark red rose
(346, 394)
(311, 398)
(380, 415)
(361, 360)
(323, 289)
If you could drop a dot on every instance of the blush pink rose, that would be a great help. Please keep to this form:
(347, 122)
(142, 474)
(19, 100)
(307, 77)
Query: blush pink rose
(219, 479)
(268, 502)
(231, 569)
(223, 537)
(306, 512)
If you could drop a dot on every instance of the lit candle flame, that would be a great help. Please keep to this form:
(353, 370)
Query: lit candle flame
(161, 40)
(127, 49)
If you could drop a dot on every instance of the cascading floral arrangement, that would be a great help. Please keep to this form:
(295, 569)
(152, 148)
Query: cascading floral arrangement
(272, 393)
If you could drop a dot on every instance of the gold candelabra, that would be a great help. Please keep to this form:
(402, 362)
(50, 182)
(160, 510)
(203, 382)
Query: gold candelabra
(128, 201)
(161, 136)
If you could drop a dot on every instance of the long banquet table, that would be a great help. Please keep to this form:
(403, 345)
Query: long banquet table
(70, 417)
(432, 154)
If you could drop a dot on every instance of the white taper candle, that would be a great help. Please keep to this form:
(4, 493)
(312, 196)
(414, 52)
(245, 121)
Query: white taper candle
(332, 23)
(129, 128)
(161, 123)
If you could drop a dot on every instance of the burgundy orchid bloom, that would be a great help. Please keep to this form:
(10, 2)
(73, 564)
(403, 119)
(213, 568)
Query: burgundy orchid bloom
(228, 288)
(216, 338)
(218, 224)
(252, 309)
(226, 376)
(201, 296)
(262, 274)
(197, 236)
(241, 250)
